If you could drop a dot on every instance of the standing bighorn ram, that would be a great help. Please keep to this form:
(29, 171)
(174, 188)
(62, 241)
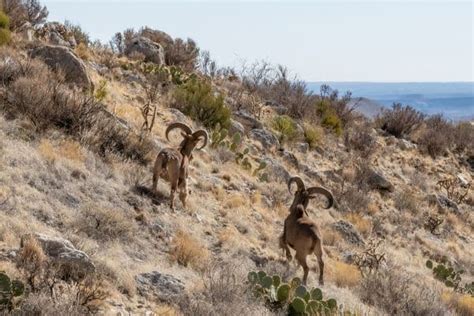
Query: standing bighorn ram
(172, 163)
(300, 232)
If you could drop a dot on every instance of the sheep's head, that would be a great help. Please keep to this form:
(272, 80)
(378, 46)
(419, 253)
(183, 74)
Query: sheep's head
(303, 195)
(190, 138)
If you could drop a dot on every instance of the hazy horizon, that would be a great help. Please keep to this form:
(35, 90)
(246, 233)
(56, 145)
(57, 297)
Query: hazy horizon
(321, 41)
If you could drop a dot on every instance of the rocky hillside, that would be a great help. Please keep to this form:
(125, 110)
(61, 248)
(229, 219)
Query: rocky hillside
(81, 232)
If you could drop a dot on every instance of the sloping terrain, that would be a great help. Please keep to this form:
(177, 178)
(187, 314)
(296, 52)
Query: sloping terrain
(149, 258)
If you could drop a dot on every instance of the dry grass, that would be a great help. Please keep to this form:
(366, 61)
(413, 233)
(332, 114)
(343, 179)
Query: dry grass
(462, 303)
(345, 275)
(82, 51)
(46, 150)
(330, 236)
(363, 225)
(188, 251)
(71, 150)
(236, 200)
(105, 224)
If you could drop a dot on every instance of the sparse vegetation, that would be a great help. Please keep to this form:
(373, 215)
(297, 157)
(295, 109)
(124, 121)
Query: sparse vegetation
(4, 28)
(400, 121)
(285, 127)
(196, 99)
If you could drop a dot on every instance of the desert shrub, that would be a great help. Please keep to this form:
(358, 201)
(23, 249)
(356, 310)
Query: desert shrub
(82, 52)
(432, 221)
(285, 127)
(438, 136)
(196, 99)
(400, 121)
(360, 140)
(313, 135)
(188, 251)
(352, 199)
(223, 291)
(341, 105)
(398, 292)
(372, 258)
(105, 224)
(47, 102)
(464, 136)
(4, 29)
(455, 189)
(329, 118)
(78, 33)
(100, 92)
(22, 11)
(406, 200)
(183, 54)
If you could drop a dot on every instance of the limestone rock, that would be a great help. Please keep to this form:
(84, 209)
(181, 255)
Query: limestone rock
(63, 59)
(152, 51)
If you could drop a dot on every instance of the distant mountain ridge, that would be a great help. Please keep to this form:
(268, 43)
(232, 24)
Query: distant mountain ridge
(455, 100)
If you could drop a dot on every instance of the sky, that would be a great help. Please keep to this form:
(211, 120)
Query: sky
(322, 40)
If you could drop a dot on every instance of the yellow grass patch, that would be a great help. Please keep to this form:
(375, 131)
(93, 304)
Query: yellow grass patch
(345, 275)
(363, 225)
(46, 150)
(188, 251)
(330, 236)
(71, 150)
(234, 201)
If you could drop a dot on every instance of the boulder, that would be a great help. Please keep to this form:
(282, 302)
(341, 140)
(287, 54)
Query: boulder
(63, 59)
(406, 144)
(72, 262)
(377, 181)
(442, 202)
(247, 120)
(348, 232)
(276, 171)
(267, 139)
(152, 51)
(158, 285)
(289, 158)
(157, 36)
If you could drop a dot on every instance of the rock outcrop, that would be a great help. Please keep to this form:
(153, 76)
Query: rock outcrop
(152, 51)
(63, 59)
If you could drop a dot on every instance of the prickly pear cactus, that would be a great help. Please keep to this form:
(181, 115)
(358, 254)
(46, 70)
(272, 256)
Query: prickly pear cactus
(294, 297)
(9, 291)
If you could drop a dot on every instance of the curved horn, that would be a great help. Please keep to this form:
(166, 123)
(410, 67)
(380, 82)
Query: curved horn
(324, 192)
(201, 133)
(181, 126)
(299, 183)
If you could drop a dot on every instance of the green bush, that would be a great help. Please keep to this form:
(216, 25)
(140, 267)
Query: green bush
(196, 99)
(329, 117)
(312, 135)
(4, 29)
(285, 126)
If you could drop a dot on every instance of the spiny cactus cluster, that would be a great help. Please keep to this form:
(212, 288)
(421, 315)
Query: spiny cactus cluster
(10, 291)
(218, 139)
(294, 296)
(450, 277)
(172, 74)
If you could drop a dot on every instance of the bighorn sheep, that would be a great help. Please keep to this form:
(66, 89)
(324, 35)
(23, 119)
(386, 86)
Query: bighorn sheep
(172, 163)
(300, 232)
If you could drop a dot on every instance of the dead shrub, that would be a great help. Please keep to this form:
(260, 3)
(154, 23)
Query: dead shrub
(438, 136)
(464, 136)
(406, 201)
(105, 224)
(360, 140)
(22, 11)
(371, 259)
(188, 251)
(455, 188)
(398, 292)
(32, 262)
(223, 290)
(400, 121)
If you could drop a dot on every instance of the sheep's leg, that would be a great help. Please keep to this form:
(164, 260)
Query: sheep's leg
(284, 246)
(318, 251)
(183, 191)
(301, 258)
(173, 190)
(157, 171)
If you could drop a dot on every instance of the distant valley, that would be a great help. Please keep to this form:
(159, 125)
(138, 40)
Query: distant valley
(455, 100)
